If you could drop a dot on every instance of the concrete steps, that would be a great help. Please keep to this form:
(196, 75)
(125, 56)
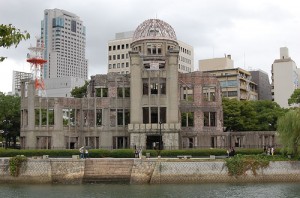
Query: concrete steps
(107, 170)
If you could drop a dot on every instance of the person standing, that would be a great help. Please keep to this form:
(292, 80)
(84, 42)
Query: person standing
(81, 150)
(232, 152)
(272, 151)
(228, 153)
(269, 150)
(140, 153)
(136, 153)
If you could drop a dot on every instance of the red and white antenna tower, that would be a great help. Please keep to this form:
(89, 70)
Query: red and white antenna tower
(35, 58)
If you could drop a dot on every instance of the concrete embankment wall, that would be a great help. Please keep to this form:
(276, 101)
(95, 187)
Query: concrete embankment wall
(141, 171)
(44, 171)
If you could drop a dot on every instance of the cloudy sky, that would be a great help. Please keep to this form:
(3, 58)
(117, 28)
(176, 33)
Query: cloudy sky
(251, 31)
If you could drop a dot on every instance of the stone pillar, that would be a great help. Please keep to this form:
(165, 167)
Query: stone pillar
(136, 93)
(30, 140)
(58, 141)
(172, 87)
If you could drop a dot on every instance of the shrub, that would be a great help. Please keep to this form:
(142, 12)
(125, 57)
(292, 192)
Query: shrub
(193, 152)
(122, 153)
(99, 153)
(239, 164)
(127, 153)
(15, 164)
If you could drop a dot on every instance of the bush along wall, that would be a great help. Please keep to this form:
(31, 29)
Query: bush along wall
(126, 153)
(239, 164)
(15, 164)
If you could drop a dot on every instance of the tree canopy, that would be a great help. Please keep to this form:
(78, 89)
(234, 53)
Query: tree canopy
(11, 36)
(289, 131)
(10, 116)
(231, 114)
(258, 115)
(80, 92)
(295, 97)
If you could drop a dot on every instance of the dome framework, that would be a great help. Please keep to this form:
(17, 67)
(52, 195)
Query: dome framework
(154, 29)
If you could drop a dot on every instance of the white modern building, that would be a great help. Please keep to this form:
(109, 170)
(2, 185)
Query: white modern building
(62, 87)
(118, 57)
(64, 37)
(16, 81)
(285, 78)
(63, 34)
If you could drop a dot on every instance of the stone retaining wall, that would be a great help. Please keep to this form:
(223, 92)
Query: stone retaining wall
(141, 171)
(44, 171)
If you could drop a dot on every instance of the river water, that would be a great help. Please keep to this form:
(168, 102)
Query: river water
(263, 190)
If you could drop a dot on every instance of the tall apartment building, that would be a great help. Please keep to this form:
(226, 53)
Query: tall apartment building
(16, 82)
(63, 34)
(285, 78)
(235, 82)
(118, 57)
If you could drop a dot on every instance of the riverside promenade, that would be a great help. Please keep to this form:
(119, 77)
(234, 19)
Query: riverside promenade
(141, 171)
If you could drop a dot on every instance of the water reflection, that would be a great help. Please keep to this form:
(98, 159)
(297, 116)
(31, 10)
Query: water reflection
(274, 190)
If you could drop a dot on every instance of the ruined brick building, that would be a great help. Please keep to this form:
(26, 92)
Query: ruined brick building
(153, 107)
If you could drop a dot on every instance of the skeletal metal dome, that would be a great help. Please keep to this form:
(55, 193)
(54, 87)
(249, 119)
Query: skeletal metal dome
(154, 29)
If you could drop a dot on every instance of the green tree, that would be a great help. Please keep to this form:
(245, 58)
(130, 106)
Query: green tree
(10, 117)
(289, 131)
(11, 36)
(248, 116)
(258, 115)
(295, 97)
(231, 114)
(80, 92)
(267, 114)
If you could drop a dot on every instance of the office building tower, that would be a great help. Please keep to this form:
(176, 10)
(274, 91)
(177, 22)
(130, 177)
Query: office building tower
(63, 35)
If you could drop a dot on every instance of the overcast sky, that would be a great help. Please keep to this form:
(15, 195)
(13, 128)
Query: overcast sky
(251, 31)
